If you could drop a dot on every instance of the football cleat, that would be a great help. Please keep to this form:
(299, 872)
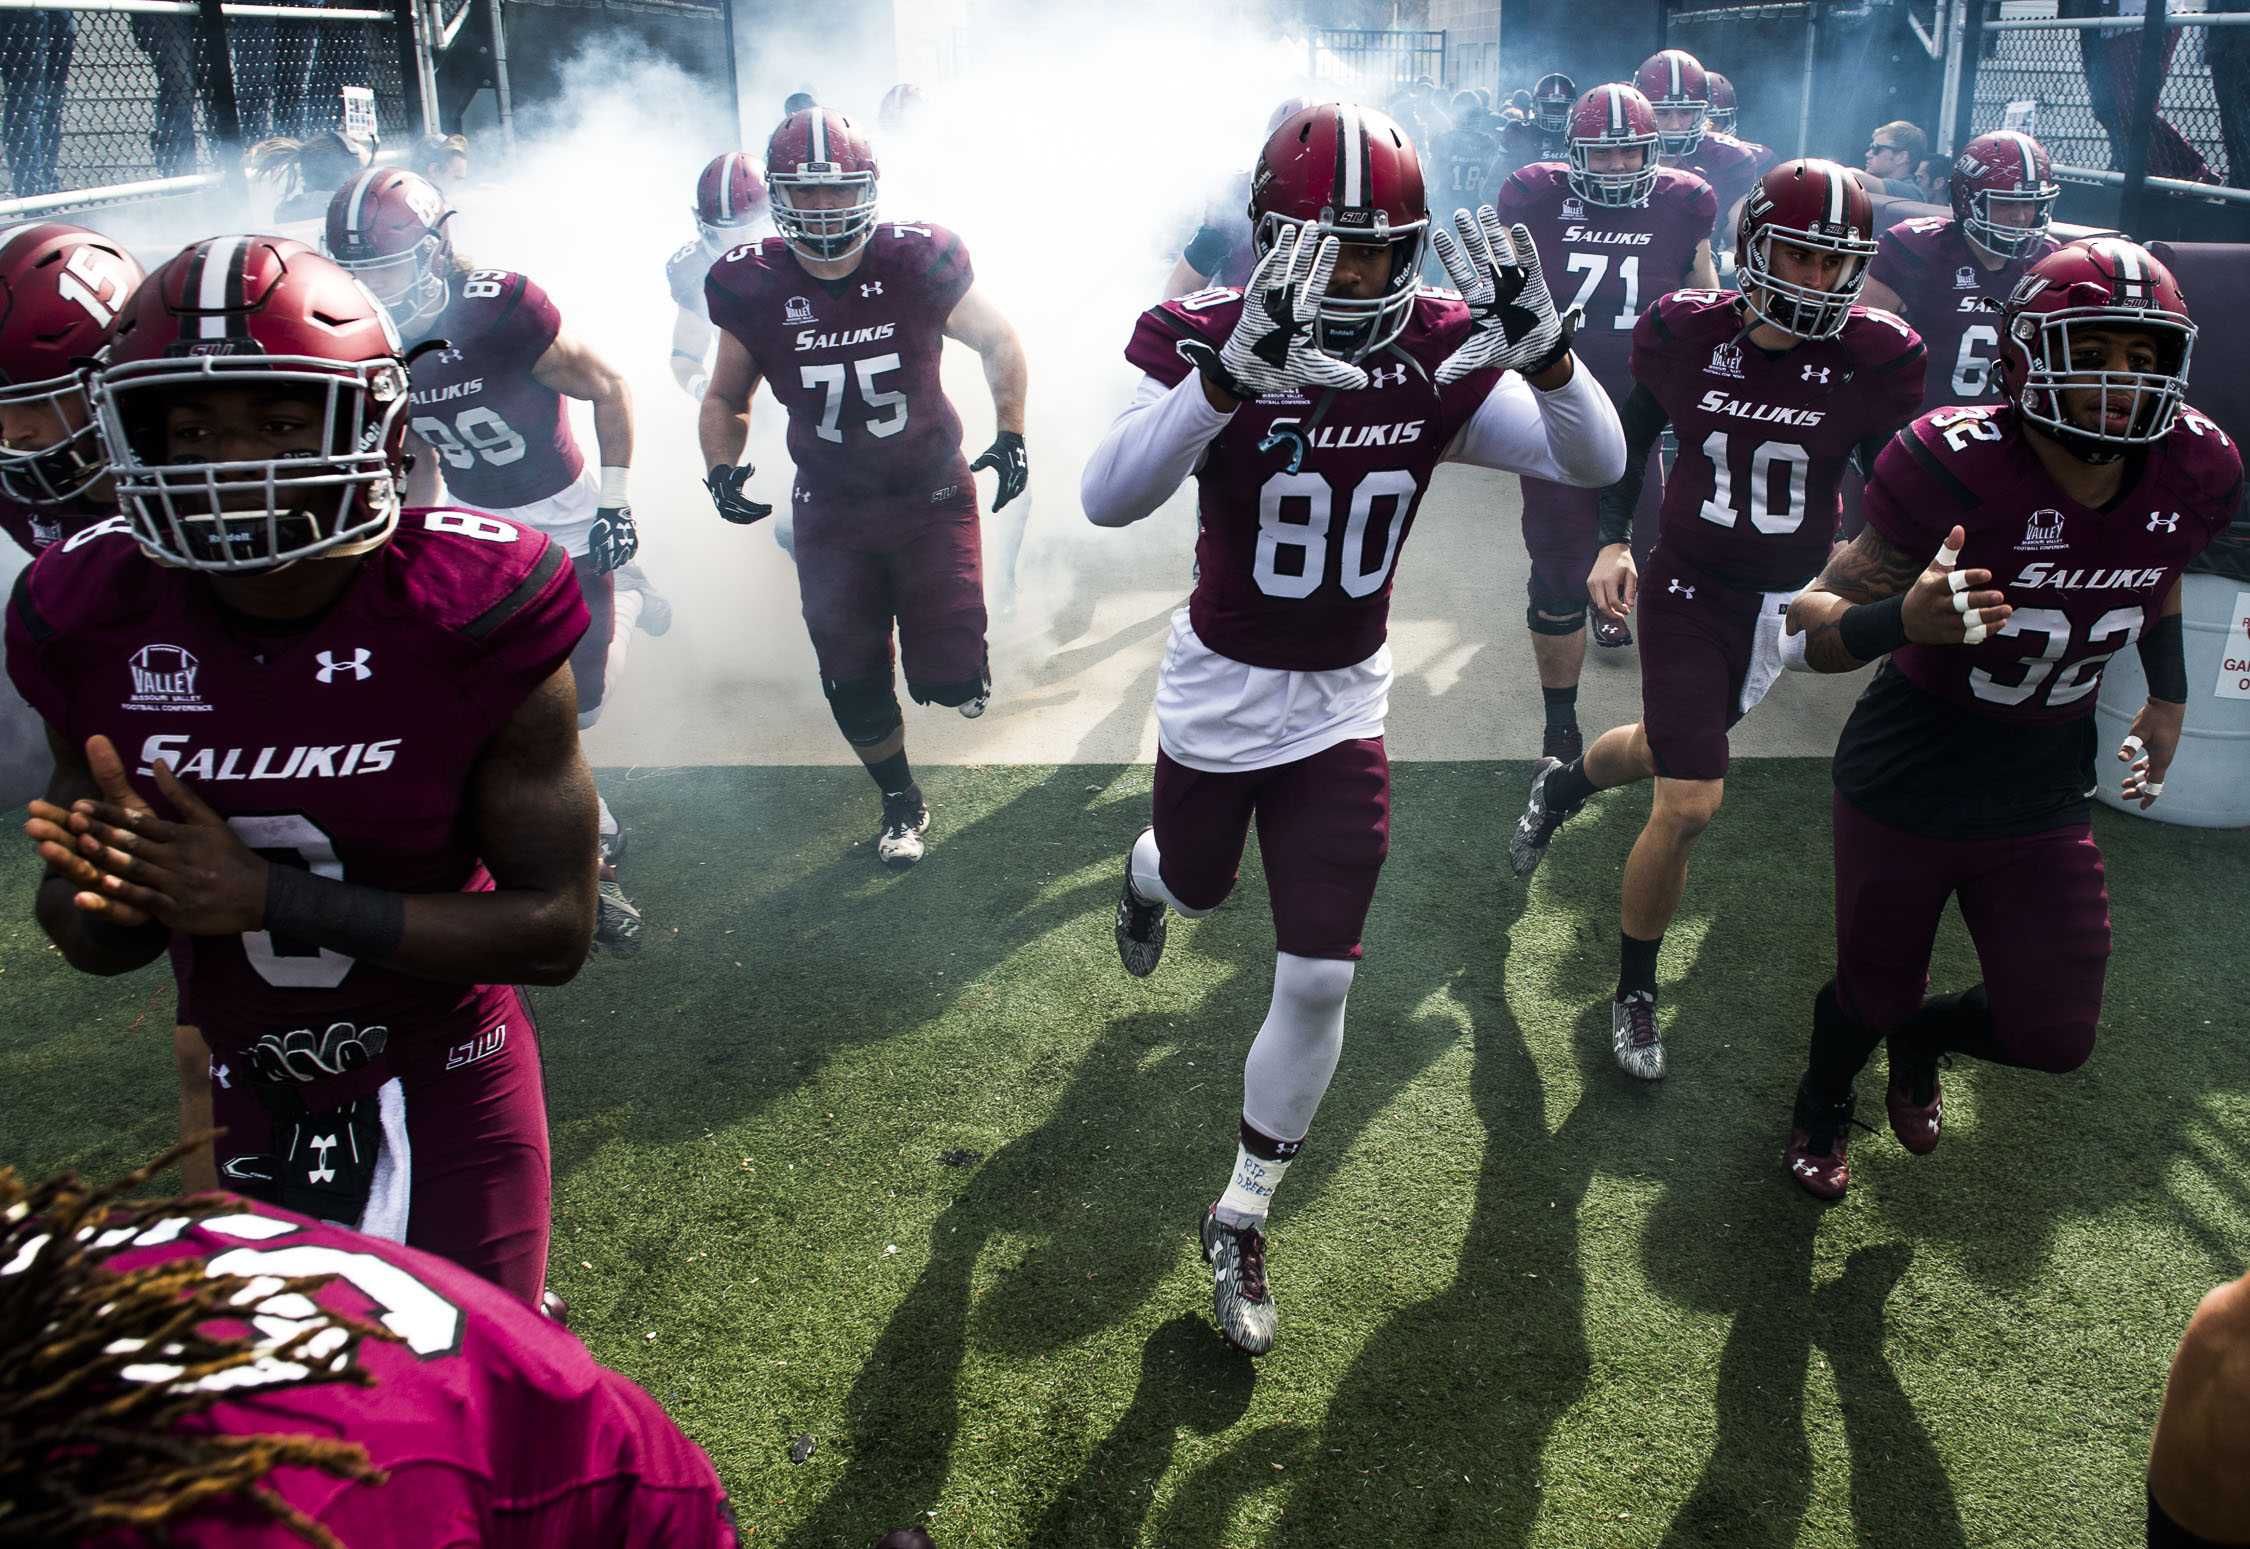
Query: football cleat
(905, 820)
(1611, 634)
(1819, 1131)
(656, 608)
(554, 1308)
(1140, 927)
(1633, 1037)
(1527, 846)
(1241, 1300)
(1562, 743)
(617, 924)
(1914, 1101)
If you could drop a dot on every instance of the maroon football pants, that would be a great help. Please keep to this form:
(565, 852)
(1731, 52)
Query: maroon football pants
(2035, 905)
(476, 1125)
(1324, 826)
(589, 659)
(928, 582)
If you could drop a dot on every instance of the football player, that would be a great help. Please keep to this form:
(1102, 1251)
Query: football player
(1542, 132)
(2199, 1458)
(1680, 89)
(1615, 229)
(846, 318)
(490, 421)
(1724, 110)
(730, 209)
(1467, 154)
(1312, 411)
(2059, 521)
(1948, 275)
(233, 1374)
(1771, 388)
(60, 289)
(323, 750)
(1223, 247)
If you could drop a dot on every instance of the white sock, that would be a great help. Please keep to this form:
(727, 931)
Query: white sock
(1250, 1190)
(608, 824)
(1148, 877)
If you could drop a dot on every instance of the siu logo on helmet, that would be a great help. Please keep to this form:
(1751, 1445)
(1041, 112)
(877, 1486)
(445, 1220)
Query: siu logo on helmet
(164, 679)
(1726, 360)
(796, 310)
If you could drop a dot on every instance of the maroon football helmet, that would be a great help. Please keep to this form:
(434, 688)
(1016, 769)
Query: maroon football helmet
(1553, 95)
(1724, 110)
(819, 147)
(388, 228)
(1349, 173)
(1676, 85)
(2002, 170)
(1605, 118)
(730, 201)
(266, 313)
(2104, 284)
(60, 289)
(1810, 204)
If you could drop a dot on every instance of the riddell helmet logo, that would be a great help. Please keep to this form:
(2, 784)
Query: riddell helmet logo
(164, 679)
(797, 310)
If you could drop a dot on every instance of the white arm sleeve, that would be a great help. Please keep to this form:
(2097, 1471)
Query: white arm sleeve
(1151, 449)
(1570, 435)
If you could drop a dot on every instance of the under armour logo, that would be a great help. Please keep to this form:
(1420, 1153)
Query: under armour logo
(2169, 523)
(322, 1173)
(872, 288)
(1387, 376)
(224, 1077)
(357, 666)
(1816, 373)
(1685, 591)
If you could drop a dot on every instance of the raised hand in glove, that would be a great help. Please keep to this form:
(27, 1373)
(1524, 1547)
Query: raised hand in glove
(1005, 457)
(613, 539)
(1271, 349)
(1513, 323)
(725, 484)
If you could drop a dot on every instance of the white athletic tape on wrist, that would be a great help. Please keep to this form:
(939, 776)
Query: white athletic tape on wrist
(613, 486)
(1947, 554)
(1974, 634)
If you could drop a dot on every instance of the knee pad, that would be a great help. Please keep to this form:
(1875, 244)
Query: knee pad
(1312, 987)
(866, 709)
(1554, 610)
(951, 695)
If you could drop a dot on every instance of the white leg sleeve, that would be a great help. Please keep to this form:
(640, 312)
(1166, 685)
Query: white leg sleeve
(1295, 1053)
(608, 824)
(1148, 877)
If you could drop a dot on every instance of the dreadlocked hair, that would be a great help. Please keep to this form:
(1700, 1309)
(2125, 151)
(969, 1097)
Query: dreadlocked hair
(87, 1448)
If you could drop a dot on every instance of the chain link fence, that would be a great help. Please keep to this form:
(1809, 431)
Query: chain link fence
(1376, 60)
(107, 99)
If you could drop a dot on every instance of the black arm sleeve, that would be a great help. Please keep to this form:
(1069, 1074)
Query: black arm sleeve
(1644, 420)
(1868, 450)
(1208, 250)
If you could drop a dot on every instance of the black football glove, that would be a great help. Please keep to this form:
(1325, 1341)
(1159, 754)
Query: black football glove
(1005, 457)
(725, 484)
(614, 540)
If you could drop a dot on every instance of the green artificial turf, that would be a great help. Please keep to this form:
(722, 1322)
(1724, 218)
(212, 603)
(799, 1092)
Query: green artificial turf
(906, 1164)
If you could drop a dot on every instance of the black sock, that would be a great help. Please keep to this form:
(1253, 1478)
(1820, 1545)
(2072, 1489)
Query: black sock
(1263, 1146)
(1840, 1046)
(892, 776)
(1956, 1024)
(1562, 708)
(1567, 786)
(1636, 964)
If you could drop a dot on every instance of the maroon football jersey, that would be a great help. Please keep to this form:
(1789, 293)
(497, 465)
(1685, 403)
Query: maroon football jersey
(2083, 583)
(345, 747)
(1609, 263)
(501, 439)
(1294, 570)
(1729, 165)
(37, 528)
(1952, 300)
(855, 362)
(495, 1425)
(684, 273)
(1763, 435)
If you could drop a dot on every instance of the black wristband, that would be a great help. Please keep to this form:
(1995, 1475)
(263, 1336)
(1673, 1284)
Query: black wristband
(1562, 346)
(1872, 629)
(1206, 358)
(341, 916)
(2164, 659)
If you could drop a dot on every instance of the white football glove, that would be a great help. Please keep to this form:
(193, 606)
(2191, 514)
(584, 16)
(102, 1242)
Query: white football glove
(1496, 270)
(1271, 349)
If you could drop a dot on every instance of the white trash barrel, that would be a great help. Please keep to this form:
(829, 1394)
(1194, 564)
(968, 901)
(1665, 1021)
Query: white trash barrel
(2208, 785)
